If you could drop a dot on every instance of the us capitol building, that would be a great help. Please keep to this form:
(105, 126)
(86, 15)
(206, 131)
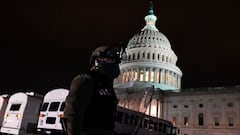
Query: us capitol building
(150, 63)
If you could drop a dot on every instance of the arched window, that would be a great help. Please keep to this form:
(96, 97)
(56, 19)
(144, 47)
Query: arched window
(153, 56)
(129, 57)
(143, 55)
(148, 56)
(158, 57)
(200, 119)
(162, 58)
(133, 58)
(138, 56)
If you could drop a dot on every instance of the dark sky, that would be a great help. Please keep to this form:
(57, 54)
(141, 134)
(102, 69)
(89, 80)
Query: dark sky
(45, 43)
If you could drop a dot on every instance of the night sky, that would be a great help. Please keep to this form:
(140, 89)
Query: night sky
(45, 43)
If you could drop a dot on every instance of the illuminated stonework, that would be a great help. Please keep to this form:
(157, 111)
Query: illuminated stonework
(149, 58)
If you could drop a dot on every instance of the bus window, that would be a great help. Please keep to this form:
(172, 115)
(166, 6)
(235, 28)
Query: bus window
(126, 118)
(62, 106)
(155, 124)
(119, 117)
(44, 107)
(132, 119)
(150, 124)
(174, 132)
(15, 107)
(164, 128)
(145, 123)
(54, 106)
(168, 130)
(136, 121)
(160, 127)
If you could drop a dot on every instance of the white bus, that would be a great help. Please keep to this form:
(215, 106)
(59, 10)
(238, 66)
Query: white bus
(21, 114)
(51, 111)
(3, 106)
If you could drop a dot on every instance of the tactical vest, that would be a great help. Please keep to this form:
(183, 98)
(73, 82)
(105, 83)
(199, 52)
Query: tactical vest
(102, 108)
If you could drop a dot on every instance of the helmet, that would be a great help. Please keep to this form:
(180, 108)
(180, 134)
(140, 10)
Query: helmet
(106, 59)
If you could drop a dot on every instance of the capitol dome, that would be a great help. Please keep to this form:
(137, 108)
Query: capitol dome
(149, 60)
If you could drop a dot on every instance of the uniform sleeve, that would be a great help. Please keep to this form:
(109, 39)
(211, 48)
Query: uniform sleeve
(79, 97)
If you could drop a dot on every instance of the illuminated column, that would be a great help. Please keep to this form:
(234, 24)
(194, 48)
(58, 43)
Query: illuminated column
(150, 74)
(162, 76)
(174, 80)
(144, 73)
(166, 77)
(170, 78)
(155, 75)
(138, 74)
(179, 82)
(131, 74)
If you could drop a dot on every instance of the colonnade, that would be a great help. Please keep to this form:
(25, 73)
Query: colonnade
(154, 109)
(155, 75)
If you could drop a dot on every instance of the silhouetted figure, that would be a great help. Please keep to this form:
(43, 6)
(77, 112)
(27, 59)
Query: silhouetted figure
(92, 103)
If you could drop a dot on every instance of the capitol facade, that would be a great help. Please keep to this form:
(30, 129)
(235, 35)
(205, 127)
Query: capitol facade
(149, 64)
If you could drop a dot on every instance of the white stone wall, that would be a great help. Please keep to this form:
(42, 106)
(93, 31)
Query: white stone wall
(215, 106)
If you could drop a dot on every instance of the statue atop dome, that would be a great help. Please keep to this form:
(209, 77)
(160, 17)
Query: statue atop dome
(150, 19)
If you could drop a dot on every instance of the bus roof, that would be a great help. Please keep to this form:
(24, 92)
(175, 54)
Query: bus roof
(56, 94)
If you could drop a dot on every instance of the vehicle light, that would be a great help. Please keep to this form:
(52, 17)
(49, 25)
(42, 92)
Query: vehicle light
(5, 115)
(41, 115)
(18, 116)
(60, 115)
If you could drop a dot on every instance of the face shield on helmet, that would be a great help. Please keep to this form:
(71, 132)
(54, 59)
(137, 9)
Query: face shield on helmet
(106, 60)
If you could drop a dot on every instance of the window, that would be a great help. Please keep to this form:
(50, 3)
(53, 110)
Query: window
(135, 75)
(141, 75)
(152, 76)
(138, 56)
(143, 55)
(54, 106)
(200, 119)
(200, 105)
(148, 56)
(185, 121)
(62, 106)
(126, 118)
(146, 122)
(158, 76)
(230, 104)
(185, 106)
(132, 119)
(44, 106)
(119, 117)
(15, 107)
(174, 106)
(230, 121)
(153, 56)
(216, 121)
(147, 76)
(174, 121)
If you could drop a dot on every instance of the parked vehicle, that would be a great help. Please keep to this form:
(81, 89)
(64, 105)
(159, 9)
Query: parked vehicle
(129, 122)
(21, 114)
(3, 106)
(51, 111)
